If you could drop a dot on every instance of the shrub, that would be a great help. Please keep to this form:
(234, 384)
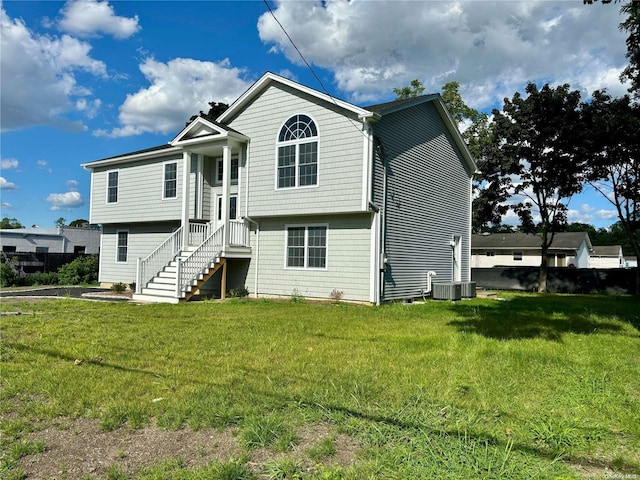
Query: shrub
(7, 275)
(239, 292)
(42, 278)
(118, 287)
(81, 270)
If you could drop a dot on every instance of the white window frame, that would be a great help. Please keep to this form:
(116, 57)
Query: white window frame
(109, 172)
(306, 227)
(118, 232)
(297, 142)
(218, 162)
(164, 180)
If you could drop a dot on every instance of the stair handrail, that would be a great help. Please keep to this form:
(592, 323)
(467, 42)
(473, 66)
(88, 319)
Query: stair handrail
(199, 259)
(149, 266)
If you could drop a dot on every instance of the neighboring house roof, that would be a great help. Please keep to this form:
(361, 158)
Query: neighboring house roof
(607, 251)
(397, 105)
(270, 78)
(510, 241)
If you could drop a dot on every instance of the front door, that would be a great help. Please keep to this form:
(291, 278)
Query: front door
(233, 209)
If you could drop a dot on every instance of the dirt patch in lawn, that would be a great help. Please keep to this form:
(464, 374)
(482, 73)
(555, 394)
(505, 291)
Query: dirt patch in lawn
(79, 449)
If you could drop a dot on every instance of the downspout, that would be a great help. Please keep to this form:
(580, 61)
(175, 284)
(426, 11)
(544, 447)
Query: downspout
(255, 279)
(383, 216)
(246, 189)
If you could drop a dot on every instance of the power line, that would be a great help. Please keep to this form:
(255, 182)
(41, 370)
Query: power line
(266, 2)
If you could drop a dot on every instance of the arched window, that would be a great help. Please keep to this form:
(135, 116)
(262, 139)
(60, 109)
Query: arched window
(298, 153)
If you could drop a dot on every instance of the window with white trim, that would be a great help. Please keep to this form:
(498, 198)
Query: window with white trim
(235, 164)
(297, 153)
(122, 248)
(307, 247)
(170, 189)
(112, 187)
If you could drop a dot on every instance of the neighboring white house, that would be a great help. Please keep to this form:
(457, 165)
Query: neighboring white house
(568, 249)
(50, 240)
(609, 256)
(291, 192)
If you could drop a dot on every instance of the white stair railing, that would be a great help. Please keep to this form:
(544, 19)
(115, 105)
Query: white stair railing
(191, 267)
(198, 233)
(148, 267)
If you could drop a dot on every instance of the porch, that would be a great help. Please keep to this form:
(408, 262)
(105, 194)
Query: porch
(175, 271)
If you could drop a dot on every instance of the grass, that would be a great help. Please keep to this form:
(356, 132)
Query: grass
(531, 387)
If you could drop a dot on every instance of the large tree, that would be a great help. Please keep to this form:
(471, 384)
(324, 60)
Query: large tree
(614, 159)
(539, 151)
(478, 133)
(10, 223)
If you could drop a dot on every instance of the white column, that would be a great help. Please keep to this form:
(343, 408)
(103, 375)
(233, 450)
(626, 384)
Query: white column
(226, 182)
(186, 167)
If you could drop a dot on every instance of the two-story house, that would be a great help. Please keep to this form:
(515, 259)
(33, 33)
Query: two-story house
(291, 192)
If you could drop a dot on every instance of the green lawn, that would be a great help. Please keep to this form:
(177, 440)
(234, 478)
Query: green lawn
(527, 387)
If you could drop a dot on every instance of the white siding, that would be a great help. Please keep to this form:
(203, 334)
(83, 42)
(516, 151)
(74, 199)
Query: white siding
(143, 239)
(140, 191)
(428, 200)
(340, 156)
(348, 259)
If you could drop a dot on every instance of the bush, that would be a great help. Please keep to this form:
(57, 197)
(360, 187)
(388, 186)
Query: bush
(41, 278)
(239, 292)
(7, 275)
(118, 287)
(81, 270)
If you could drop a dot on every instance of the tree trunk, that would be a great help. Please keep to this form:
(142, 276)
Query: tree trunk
(544, 266)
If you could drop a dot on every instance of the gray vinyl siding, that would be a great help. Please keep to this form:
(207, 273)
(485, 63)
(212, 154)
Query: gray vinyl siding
(428, 200)
(143, 239)
(140, 190)
(208, 179)
(340, 155)
(348, 259)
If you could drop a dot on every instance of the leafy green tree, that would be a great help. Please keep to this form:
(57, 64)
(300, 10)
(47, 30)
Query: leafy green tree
(60, 222)
(614, 159)
(539, 150)
(215, 110)
(79, 223)
(415, 89)
(488, 205)
(10, 223)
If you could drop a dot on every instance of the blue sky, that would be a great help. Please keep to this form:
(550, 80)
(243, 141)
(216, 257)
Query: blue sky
(85, 80)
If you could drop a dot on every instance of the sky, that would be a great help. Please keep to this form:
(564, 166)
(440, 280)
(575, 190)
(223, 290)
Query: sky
(86, 80)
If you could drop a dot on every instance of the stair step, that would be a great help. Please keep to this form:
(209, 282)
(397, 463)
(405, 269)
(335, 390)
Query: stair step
(162, 286)
(158, 292)
(140, 297)
(166, 274)
(164, 280)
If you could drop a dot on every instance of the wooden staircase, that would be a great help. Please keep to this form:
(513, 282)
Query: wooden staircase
(163, 287)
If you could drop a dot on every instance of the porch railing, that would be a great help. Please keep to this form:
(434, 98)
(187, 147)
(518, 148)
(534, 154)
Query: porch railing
(200, 258)
(198, 233)
(148, 267)
(239, 232)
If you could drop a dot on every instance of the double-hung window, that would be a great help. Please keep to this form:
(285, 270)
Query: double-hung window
(298, 153)
(306, 247)
(170, 189)
(122, 246)
(112, 187)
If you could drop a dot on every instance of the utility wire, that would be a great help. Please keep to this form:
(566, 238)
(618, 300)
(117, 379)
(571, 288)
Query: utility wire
(266, 2)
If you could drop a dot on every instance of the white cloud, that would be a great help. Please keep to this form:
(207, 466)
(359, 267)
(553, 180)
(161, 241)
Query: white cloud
(38, 76)
(179, 88)
(87, 18)
(65, 201)
(72, 185)
(607, 214)
(6, 184)
(492, 50)
(8, 163)
(89, 108)
(6, 205)
(43, 165)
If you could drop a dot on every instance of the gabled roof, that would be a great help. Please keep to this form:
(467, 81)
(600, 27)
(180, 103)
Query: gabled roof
(138, 154)
(201, 128)
(510, 241)
(270, 78)
(387, 108)
(607, 250)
